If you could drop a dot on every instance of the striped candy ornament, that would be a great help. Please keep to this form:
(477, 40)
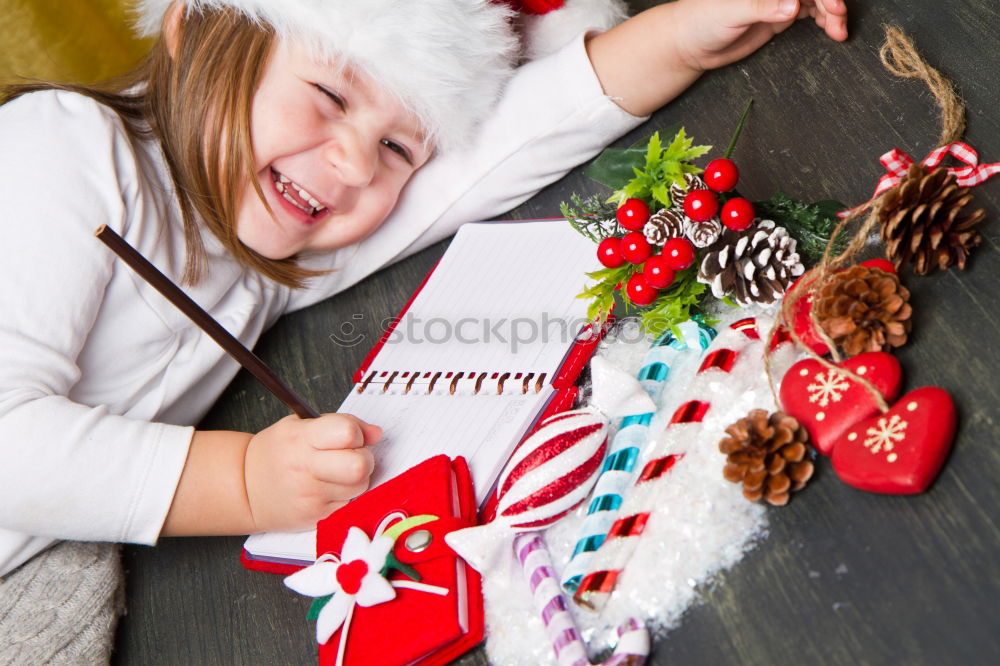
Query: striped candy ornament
(633, 638)
(553, 470)
(611, 558)
(623, 454)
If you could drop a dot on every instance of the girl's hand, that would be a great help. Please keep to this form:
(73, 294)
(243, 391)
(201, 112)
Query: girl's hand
(719, 32)
(298, 471)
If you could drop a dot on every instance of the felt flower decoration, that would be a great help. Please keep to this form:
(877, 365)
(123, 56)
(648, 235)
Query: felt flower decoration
(356, 578)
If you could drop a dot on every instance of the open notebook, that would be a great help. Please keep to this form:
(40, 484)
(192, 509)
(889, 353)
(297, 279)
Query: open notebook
(493, 337)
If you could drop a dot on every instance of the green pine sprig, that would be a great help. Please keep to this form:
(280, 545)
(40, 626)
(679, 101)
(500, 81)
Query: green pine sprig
(592, 217)
(810, 224)
(662, 168)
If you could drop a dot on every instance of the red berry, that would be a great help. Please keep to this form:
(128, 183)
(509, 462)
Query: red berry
(721, 175)
(635, 247)
(609, 252)
(738, 214)
(678, 253)
(701, 205)
(658, 272)
(632, 214)
(639, 290)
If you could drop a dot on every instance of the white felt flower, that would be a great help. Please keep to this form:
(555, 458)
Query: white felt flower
(356, 578)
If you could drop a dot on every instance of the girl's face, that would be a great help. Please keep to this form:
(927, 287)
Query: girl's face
(332, 152)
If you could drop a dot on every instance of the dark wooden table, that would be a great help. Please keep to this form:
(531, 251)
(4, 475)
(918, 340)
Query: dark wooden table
(845, 577)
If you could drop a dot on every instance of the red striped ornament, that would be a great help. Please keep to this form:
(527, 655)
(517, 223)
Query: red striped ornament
(553, 470)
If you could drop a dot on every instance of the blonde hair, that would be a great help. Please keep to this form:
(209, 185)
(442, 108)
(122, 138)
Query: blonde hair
(205, 89)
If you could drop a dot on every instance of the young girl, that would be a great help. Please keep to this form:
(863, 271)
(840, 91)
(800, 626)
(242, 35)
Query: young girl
(268, 154)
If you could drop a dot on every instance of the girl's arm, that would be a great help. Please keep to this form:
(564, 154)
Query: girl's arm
(650, 59)
(286, 477)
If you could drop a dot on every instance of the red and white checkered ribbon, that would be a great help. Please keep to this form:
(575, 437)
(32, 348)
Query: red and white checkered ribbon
(897, 163)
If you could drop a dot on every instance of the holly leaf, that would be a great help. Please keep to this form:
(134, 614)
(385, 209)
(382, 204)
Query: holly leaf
(661, 193)
(613, 168)
(316, 606)
(602, 294)
(393, 562)
(661, 168)
(653, 151)
(677, 304)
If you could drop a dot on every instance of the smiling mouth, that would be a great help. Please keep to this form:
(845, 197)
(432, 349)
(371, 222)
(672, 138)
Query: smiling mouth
(296, 195)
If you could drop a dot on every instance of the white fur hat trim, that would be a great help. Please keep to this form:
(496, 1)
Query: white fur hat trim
(445, 60)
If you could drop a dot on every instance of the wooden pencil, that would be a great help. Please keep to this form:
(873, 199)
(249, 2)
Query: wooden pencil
(214, 329)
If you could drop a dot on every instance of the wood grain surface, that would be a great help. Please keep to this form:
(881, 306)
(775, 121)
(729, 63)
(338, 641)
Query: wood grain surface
(844, 577)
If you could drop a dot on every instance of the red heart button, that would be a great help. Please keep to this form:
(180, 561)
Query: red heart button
(350, 574)
(901, 451)
(827, 402)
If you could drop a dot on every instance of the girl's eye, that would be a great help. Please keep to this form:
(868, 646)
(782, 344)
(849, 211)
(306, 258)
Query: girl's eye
(398, 149)
(337, 99)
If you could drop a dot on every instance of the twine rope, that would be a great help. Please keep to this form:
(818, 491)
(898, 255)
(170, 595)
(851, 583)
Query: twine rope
(900, 57)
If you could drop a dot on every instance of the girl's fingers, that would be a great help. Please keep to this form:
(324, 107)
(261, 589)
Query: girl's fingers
(831, 15)
(341, 431)
(345, 469)
(740, 13)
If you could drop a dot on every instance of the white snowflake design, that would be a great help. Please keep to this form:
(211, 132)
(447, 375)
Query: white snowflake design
(886, 433)
(829, 387)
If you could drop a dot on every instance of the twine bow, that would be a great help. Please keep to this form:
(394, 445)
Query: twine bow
(897, 163)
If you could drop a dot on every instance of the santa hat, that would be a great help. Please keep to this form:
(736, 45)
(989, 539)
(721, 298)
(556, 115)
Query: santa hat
(445, 60)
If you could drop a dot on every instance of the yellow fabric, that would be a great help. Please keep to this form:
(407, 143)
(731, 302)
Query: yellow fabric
(76, 41)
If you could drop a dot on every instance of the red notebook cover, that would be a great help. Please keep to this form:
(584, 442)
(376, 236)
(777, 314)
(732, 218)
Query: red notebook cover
(425, 628)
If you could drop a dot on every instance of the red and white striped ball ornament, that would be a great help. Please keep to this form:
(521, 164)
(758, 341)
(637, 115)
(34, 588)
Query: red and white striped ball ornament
(554, 469)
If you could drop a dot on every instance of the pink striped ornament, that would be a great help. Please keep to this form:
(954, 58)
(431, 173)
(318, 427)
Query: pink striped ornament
(612, 557)
(633, 638)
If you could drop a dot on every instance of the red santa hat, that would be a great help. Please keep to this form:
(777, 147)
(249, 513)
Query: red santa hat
(445, 60)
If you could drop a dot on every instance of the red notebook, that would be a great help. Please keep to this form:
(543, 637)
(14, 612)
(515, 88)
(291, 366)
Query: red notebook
(489, 344)
(425, 628)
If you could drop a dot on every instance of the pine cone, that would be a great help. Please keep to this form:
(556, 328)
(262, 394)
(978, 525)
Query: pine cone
(767, 454)
(703, 234)
(752, 266)
(666, 224)
(678, 193)
(925, 221)
(864, 309)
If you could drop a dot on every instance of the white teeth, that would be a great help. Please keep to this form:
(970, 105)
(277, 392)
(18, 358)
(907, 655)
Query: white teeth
(305, 195)
(281, 181)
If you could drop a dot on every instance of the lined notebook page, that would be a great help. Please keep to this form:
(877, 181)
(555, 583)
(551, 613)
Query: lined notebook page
(514, 284)
(484, 428)
(502, 299)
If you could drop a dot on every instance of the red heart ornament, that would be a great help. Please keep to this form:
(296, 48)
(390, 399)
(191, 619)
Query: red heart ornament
(350, 575)
(827, 402)
(901, 451)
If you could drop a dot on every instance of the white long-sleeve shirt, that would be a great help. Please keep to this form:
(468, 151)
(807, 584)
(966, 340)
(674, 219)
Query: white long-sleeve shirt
(101, 378)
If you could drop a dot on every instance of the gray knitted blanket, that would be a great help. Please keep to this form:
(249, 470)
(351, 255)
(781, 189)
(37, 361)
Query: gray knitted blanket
(61, 607)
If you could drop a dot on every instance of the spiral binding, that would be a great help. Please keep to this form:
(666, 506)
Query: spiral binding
(457, 382)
